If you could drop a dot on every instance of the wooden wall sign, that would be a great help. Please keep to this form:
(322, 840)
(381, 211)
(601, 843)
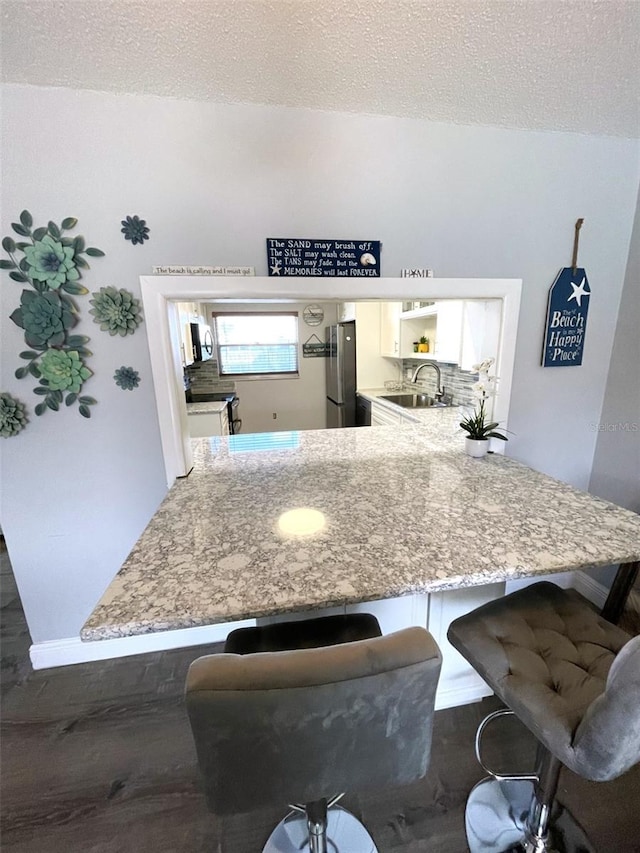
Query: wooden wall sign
(566, 319)
(181, 269)
(567, 309)
(315, 348)
(349, 258)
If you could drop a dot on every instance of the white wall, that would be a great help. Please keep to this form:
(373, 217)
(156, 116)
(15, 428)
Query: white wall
(616, 467)
(213, 182)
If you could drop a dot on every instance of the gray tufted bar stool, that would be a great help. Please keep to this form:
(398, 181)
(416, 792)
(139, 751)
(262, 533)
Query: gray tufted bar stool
(299, 726)
(573, 679)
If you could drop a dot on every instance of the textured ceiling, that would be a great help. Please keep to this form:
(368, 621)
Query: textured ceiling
(531, 64)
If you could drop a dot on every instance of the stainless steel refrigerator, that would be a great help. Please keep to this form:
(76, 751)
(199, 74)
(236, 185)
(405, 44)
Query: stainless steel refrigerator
(341, 375)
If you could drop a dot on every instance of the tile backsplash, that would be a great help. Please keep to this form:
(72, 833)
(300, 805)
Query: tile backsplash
(455, 381)
(203, 377)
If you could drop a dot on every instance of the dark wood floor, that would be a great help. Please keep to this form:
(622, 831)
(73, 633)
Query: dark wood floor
(98, 758)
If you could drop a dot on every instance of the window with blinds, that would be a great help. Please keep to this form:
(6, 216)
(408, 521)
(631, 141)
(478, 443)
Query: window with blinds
(257, 344)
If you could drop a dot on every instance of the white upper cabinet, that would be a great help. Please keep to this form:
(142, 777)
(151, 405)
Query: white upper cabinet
(346, 311)
(480, 331)
(190, 312)
(371, 368)
(187, 314)
(415, 325)
(441, 323)
(449, 330)
(390, 329)
(462, 332)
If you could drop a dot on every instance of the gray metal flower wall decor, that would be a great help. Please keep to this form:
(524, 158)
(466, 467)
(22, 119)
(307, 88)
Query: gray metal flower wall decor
(135, 229)
(13, 417)
(127, 378)
(51, 265)
(117, 311)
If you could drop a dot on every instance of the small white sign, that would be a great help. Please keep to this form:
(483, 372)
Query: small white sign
(416, 273)
(187, 270)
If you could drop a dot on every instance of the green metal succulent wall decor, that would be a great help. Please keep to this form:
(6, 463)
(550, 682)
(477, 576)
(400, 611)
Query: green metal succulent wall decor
(135, 229)
(127, 378)
(117, 311)
(12, 416)
(51, 266)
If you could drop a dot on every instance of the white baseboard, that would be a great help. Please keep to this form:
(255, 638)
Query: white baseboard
(565, 580)
(592, 590)
(461, 691)
(71, 650)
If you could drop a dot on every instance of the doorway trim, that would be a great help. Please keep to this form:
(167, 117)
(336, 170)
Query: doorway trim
(160, 293)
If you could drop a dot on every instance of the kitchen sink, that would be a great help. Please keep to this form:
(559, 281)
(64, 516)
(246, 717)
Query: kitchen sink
(413, 401)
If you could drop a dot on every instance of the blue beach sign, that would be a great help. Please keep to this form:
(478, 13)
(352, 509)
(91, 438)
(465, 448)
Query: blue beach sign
(566, 324)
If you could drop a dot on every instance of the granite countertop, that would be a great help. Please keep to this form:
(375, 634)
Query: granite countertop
(405, 510)
(215, 407)
(442, 422)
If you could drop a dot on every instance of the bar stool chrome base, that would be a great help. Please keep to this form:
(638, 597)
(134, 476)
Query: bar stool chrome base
(344, 834)
(496, 819)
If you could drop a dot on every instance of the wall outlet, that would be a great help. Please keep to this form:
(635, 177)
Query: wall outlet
(275, 416)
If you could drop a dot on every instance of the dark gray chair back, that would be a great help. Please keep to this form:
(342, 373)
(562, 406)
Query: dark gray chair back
(296, 726)
(607, 740)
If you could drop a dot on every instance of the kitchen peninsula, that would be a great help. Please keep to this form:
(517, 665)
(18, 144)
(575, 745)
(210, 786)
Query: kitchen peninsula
(400, 512)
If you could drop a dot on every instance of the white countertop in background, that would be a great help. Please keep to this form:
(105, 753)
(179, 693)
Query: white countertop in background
(215, 407)
(418, 415)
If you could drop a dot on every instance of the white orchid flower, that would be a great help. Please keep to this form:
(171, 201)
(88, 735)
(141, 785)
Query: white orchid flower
(481, 390)
(478, 424)
(484, 366)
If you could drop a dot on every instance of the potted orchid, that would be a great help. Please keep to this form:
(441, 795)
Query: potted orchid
(479, 428)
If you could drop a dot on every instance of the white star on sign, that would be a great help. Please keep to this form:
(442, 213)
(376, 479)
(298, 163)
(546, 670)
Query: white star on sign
(579, 292)
(275, 268)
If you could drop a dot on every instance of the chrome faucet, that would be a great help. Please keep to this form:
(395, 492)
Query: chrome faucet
(439, 389)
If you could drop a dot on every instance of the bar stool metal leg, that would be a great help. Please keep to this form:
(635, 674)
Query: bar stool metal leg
(317, 826)
(539, 818)
(518, 813)
(320, 827)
